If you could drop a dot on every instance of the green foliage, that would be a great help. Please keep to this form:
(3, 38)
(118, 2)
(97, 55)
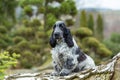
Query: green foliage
(68, 7)
(28, 38)
(113, 43)
(6, 61)
(90, 42)
(100, 27)
(35, 23)
(27, 23)
(7, 8)
(41, 10)
(115, 37)
(104, 52)
(3, 29)
(18, 39)
(26, 32)
(91, 22)
(83, 19)
(28, 10)
(5, 40)
(40, 34)
(83, 32)
(23, 44)
(69, 22)
(51, 19)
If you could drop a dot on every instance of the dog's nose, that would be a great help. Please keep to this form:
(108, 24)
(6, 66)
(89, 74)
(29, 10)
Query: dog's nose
(57, 35)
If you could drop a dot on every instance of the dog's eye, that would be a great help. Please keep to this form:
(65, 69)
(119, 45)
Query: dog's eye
(61, 26)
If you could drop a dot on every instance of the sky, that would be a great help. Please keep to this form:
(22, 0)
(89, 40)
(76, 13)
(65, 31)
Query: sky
(109, 4)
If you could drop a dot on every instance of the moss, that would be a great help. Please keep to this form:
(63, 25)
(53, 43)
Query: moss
(3, 29)
(83, 32)
(103, 51)
(91, 42)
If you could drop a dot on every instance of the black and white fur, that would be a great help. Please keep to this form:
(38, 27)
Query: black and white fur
(67, 56)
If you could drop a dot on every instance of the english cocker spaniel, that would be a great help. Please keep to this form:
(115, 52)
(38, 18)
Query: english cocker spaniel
(67, 56)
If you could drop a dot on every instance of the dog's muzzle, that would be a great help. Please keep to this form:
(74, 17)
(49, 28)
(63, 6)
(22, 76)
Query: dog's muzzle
(57, 36)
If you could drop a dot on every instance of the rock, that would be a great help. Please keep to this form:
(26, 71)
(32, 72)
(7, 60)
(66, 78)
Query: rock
(108, 71)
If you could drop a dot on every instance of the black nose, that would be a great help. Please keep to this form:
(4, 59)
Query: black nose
(57, 35)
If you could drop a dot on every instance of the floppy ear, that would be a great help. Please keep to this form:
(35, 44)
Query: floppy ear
(52, 41)
(68, 37)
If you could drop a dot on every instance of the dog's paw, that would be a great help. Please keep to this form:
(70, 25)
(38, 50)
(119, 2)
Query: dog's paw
(63, 74)
(54, 74)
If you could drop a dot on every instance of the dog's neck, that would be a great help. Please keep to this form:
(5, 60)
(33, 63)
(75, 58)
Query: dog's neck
(60, 41)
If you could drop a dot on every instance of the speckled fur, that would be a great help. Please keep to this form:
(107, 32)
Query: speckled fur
(69, 59)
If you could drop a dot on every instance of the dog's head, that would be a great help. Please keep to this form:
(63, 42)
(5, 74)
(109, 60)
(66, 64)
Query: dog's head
(60, 33)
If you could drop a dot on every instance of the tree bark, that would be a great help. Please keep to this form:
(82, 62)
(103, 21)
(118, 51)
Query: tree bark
(108, 71)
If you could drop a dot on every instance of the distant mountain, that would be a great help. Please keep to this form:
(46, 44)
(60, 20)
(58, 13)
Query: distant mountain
(96, 9)
(102, 5)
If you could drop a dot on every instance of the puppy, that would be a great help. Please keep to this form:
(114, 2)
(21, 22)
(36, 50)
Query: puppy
(67, 56)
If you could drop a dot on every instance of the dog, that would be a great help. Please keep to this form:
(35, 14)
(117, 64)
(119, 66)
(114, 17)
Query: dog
(67, 56)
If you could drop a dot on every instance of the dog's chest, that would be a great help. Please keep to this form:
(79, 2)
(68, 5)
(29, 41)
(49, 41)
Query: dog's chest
(60, 53)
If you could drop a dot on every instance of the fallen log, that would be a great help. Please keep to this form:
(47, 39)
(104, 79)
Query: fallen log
(108, 71)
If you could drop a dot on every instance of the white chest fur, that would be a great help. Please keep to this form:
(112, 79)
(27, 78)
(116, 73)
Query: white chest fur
(61, 52)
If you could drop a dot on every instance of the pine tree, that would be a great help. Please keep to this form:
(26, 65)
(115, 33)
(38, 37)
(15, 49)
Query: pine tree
(100, 27)
(91, 22)
(67, 7)
(7, 11)
(83, 19)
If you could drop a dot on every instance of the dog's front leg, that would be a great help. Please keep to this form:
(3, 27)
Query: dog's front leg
(57, 69)
(68, 67)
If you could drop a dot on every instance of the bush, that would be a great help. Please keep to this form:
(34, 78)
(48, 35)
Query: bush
(113, 43)
(104, 52)
(91, 42)
(23, 44)
(28, 10)
(51, 19)
(26, 32)
(3, 29)
(6, 61)
(83, 32)
(114, 47)
(41, 10)
(35, 23)
(26, 22)
(69, 22)
(3, 44)
(35, 47)
(115, 37)
(25, 63)
(18, 39)
(40, 34)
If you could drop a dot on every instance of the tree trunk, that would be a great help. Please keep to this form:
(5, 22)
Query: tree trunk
(108, 71)
(45, 15)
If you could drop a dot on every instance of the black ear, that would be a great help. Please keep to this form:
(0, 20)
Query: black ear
(52, 41)
(68, 37)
